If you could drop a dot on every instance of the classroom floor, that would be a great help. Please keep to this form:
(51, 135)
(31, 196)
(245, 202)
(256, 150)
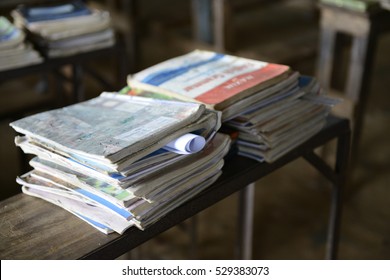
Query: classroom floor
(291, 208)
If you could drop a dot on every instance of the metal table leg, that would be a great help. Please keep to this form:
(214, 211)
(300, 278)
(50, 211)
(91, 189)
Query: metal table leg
(338, 178)
(245, 221)
(77, 83)
(341, 170)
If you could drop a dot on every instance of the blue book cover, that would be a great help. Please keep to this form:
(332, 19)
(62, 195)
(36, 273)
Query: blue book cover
(43, 13)
(8, 31)
(121, 211)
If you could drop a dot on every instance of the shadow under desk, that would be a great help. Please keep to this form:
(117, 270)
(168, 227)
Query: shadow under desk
(31, 228)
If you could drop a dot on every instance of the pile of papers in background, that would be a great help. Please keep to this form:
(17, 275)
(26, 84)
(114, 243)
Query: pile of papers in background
(359, 5)
(117, 161)
(14, 51)
(385, 4)
(273, 107)
(65, 29)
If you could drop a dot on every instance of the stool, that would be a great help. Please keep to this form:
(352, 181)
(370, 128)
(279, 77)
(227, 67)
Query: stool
(364, 28)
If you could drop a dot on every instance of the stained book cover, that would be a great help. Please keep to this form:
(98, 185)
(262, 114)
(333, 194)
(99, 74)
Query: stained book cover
(215, 79)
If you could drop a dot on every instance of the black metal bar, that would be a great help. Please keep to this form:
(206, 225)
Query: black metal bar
(99, 78)
(202, 17)
(78, 87)
(132, 37)
(321, 166)
(193, 233)
(122, 58)
(341, 169)
(245, 222)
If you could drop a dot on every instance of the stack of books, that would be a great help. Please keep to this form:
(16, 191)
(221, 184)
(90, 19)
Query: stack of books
(14, 50)
(65, 29)
(355, 5)
(118, 161)
(219, 81)
(279, 125)
(385, 4)
(273, 107)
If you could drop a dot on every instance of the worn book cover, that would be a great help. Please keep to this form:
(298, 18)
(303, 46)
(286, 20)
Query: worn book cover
(64, 28)
(95, 201)
(215, 79)
(111, 127)
(34, 13)
(109, 192)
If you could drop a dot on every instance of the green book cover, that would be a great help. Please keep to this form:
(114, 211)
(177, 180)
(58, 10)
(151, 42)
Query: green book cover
(356, 5)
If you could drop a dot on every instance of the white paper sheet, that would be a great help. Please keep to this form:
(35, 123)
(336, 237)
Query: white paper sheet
(187, 144)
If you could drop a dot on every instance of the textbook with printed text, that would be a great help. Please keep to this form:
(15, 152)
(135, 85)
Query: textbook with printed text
(215, 79)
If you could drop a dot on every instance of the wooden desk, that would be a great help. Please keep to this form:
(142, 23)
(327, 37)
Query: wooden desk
(78, 62)
(31, 228)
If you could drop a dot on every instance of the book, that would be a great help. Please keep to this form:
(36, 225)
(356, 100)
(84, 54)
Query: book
(14, 51)
(215, 79)
(56, 200)
(23, 56)
(65, 29)
(82, 48)
(272, 107)
(182, 169)
(53, 184)
(56, 11)
(137, 169)
(7, 30)
(262, 151)
(269, 132)
(104, 206)
(250, 103)
(115, 194)
(112, 127)
(385, 4)
(162, 172)
(81, 209)
(103, 168)
(355, 5)
(76, 41)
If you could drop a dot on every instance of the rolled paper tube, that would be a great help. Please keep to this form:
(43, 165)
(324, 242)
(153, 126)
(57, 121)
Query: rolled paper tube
(186, 144)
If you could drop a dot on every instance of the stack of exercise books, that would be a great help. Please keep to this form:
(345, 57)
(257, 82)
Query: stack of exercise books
(385, 4)
(356, 5)
(222, 82)
(272, 107)
(14, 50)
(65, 29)
(280, 125)
(118, 161)
(360, 5)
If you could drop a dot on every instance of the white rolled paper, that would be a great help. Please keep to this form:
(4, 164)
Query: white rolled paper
(186, 144)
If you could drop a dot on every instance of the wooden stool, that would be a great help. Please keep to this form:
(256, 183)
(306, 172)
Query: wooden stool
(364, 28)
